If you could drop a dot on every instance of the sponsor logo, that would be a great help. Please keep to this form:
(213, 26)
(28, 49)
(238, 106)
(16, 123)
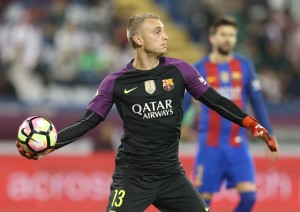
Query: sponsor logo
(154, 109)
(232, 93)
(51, 186)
(128, 91)
(150, 86)
(206, 208)
(168, 84)
(202, 80)
(224, 76)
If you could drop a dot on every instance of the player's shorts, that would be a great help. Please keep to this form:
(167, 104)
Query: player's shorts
(172, 192)
(214, 165)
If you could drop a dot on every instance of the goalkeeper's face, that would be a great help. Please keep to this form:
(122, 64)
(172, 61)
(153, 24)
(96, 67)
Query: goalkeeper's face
(224, 39)
(152, 38)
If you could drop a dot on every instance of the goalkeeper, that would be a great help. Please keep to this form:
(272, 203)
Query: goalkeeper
(148, 94)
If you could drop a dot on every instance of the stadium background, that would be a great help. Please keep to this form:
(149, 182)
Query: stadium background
(54, 53)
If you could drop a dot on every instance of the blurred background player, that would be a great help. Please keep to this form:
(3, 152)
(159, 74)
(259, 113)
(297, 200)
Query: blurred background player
(223, 152)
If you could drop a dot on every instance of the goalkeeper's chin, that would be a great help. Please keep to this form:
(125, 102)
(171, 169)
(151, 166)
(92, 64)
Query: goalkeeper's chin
(164, 50)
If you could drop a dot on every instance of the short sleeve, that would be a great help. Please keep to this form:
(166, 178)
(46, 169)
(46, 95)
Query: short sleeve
(103, 100)
(195, 84)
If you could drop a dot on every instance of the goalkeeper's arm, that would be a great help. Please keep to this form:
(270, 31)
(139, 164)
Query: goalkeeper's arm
(70, 134)
(232, 112)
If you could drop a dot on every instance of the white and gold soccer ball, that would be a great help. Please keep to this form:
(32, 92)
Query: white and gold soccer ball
(37, 135)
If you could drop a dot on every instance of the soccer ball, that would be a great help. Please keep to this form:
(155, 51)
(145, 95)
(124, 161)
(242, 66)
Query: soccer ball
(37, 135)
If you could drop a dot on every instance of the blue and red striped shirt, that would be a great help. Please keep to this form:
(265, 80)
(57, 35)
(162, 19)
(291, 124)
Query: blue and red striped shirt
(237, 81)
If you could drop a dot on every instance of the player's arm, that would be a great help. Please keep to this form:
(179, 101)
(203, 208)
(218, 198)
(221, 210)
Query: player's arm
(96, 112)
(201, 90)
(232, 112)
(256, 98)
(88, 121)
(70, 134)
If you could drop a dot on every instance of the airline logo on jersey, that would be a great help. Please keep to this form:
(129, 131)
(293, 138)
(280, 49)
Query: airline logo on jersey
(168, 84)
(150, 86)
(154, 109)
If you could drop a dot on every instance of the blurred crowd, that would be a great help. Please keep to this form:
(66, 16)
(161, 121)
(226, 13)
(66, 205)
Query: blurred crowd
(269, 33)
(51, 43)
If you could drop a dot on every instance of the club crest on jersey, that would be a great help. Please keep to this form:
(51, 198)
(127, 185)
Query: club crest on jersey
(150, 86)
(168, 84)
(236, 75)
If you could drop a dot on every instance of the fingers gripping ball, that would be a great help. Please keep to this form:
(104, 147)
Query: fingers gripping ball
(37, 135)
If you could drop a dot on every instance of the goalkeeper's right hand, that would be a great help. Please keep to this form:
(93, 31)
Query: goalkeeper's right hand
(260, 132)
(26, 154)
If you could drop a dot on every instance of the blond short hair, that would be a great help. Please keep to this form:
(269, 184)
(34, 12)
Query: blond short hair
(135, 22)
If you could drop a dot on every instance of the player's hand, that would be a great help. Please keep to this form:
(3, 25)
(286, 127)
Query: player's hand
(260, 132)
(26, 154)
(272, 156)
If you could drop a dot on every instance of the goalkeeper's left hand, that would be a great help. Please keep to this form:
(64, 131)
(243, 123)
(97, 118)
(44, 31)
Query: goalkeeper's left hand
(260, 132)
(26, 154)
